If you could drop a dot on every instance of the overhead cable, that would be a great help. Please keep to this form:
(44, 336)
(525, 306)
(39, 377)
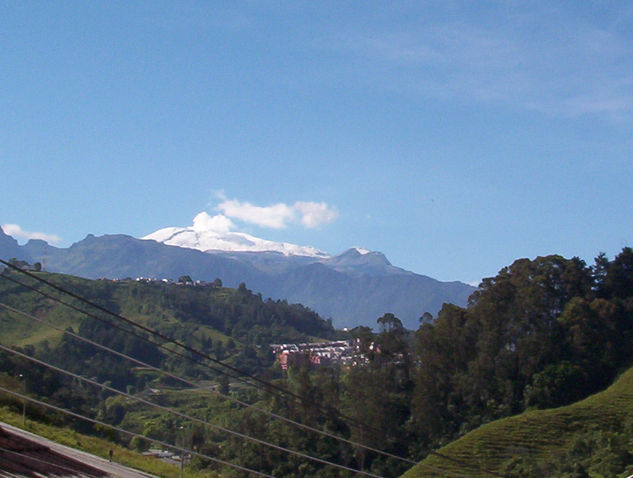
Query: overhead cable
(188, 417)
(266, 384)
(124, 330)
(207, 389)
(132, 434)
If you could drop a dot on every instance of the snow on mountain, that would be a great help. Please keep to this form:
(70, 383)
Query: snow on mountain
(213, 233)
(352, 288)
(362, 251)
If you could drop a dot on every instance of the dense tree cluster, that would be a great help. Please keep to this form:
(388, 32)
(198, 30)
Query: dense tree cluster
(542, 333)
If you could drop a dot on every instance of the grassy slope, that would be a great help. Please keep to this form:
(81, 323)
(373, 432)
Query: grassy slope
(17, 330)
(139, 302)
(543, 434)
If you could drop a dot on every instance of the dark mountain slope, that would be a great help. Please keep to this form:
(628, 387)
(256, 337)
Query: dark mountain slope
(9, 248)
(352, 288)
(119, 256)
(354, 298)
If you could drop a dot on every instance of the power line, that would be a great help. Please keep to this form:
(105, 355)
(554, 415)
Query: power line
(188, 417)
(141, 337)
(358, 423)
(198, 387)
(132, 434)
(122, 329)
(188, 348)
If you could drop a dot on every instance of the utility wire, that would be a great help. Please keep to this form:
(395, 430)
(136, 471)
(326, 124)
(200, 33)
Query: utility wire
(123, 329)
(358, 423)
(235, 400)
(198, 387)
(187, 347)
(132, 434)
(188, 417)
(142, 337)
(163, 346)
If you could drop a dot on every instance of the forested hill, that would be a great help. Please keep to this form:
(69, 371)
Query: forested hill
(589, 438)
(231, 324)
(541, 334)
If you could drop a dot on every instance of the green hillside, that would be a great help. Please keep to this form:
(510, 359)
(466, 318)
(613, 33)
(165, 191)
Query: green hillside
(551, 442)
(234, 326)
(205, 313)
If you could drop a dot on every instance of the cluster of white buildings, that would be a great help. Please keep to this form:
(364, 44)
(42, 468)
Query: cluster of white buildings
(340, 352)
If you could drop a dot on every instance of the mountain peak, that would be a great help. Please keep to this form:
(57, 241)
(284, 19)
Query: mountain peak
(362, 251)
(352, 287)
(9, 246)
(213, 233)
(359, 257)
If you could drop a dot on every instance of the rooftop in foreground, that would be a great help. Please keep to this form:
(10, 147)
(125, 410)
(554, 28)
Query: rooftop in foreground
(22, 457)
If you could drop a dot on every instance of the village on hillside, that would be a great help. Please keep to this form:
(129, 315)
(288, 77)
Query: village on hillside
(337, 353)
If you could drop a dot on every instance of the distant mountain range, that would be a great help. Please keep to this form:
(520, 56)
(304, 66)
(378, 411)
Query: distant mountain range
(353, 288)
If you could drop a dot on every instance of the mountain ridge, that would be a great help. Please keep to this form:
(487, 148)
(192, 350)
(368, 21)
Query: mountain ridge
(352, 288)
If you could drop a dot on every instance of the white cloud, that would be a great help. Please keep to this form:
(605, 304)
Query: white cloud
(205, 222)
(277, 216)
(17, 232)
(313, 214)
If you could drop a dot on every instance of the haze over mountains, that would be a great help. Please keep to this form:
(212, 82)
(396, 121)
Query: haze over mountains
(353, 288)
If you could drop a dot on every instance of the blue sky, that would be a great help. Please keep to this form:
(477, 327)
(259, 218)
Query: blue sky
(454, 137)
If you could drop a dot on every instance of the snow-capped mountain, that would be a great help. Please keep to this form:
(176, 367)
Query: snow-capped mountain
(353, 288)
(212, 234)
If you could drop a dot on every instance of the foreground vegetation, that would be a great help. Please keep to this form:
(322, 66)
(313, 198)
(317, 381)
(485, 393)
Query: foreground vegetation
(540, 335)
(593, 437)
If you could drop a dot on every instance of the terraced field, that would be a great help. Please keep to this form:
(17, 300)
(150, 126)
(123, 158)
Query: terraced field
(540, 436)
